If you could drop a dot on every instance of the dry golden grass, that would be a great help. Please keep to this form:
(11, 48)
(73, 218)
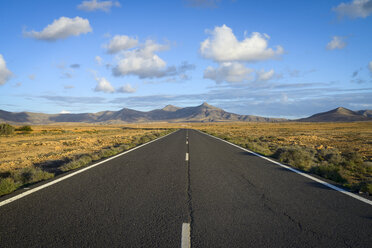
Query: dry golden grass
(61, 142)
(356, 136)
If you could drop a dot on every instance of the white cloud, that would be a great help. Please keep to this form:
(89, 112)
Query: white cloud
(65, 112)
(5, 74)
(103, 85)
(231, 72)
(223, 46)
(370, 66)
(127, 88)
(142, 61)
(61, 29)
(94, 5)
(68, 87)
(99, 60)
(337, 42)
(354, 9)
(119, 43)
(32, 76)
(265, 76)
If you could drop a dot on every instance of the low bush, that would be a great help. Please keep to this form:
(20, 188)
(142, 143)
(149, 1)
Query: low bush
(365, 187)
(31, 175)
(6, 129)
(259, 147)
(7, 185)
(328, 171)
(77, 163)
(24, 129)
(298, 157)
(353, 161)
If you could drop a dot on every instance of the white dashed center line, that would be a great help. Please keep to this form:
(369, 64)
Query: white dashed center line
(185, 241)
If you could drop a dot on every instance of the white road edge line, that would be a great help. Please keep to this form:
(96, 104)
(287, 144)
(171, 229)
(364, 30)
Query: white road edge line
(73, 174)
(187, 142)
(299, 172)
(187, 156)
(185, 240)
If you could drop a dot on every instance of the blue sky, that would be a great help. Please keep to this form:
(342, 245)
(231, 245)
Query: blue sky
(269, 58)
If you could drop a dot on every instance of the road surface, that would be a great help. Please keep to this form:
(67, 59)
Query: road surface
(186, 189)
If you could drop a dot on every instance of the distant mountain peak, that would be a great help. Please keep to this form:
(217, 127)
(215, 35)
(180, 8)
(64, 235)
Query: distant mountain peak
(171, 108)
(343, 111)
(338, 114)
(206, 105)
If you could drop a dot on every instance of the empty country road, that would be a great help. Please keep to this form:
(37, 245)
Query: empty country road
(186, 189)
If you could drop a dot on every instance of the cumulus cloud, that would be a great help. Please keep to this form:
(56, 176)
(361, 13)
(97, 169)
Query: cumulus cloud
(5, 74)
(337, 42)
(265, 76)
(94, 5)
(354, 9)
(127, 88)
(142, 61)
(223, 46)
(61, 29)
(99, 60)
(232, 72)
(103, 85)
(119, 43)
(65, 112)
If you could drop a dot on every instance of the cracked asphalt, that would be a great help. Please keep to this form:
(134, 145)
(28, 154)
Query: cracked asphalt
(231, 199)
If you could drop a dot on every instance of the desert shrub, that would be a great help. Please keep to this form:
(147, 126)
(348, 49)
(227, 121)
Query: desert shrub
(332, 156)
(7, 185)
(95, 157)
(31, 175)
(352, 160)
(328, 171)
(124, 147)
(144, 139)
(104, 153)
(6, 129)
(296, 156)
(368, 166)
(260, 147)
(24, 129)
(76, 163)
(365, 187)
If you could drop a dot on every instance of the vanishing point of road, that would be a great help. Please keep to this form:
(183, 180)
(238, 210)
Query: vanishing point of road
(185, 190)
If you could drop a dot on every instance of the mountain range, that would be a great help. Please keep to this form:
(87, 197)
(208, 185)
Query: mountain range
(340, 115)
(170, 113)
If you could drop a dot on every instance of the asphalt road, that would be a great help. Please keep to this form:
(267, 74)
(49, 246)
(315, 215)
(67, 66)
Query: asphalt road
(229, 197)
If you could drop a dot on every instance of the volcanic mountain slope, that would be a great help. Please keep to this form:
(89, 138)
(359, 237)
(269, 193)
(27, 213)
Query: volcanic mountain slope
(339, 115)
(201, 113)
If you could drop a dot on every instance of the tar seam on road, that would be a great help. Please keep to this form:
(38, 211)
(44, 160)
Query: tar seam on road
(189, 198)
(14, 198)
(298, 172)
